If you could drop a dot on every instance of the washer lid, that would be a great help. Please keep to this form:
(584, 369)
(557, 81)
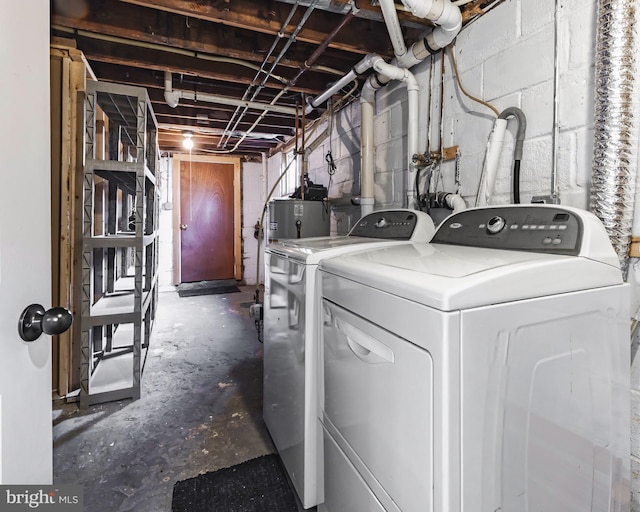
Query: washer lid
(452, 277)
(384, 226)
(311, 250)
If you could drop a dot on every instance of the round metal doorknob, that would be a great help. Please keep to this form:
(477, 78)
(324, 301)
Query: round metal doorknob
(34, 321)
(183, 226)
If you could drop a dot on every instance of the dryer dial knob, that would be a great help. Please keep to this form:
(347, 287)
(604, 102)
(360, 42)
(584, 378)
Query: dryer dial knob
(382, 222)
(495, 225)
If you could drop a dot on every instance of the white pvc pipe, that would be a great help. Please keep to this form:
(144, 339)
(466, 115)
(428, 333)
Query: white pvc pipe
(491, 162)
(404, 75)
(170, 97)
(324, 96)
(455, 202)
(412, 139)
(363, 65)
(443, 13)
(449, 23)
(367, 170)
(173, 98)
(225, 100)
(392, 22)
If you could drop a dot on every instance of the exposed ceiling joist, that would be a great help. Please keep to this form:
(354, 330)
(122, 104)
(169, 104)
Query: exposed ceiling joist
(242, 49)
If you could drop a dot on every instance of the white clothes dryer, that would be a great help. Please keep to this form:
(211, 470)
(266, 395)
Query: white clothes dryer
(291, 331)
(487, 370)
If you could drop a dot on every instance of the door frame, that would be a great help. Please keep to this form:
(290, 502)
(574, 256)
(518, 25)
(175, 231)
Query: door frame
(178, 158)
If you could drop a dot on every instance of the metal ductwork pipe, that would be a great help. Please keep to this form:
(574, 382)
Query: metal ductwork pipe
(615, 152)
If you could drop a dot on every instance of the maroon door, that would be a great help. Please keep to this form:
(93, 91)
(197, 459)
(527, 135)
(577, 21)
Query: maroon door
(206, 221)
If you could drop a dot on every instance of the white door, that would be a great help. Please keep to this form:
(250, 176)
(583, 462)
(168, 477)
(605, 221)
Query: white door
(25, 244)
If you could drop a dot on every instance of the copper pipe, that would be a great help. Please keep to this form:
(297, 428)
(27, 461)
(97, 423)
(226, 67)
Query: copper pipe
(320, 49)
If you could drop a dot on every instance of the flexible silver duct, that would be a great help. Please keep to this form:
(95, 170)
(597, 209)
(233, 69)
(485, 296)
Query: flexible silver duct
(615, 152)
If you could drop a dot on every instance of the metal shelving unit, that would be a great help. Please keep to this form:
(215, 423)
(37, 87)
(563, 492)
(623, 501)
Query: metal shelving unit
(119, 291)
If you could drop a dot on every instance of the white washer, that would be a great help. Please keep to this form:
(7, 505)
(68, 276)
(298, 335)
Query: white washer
(291, 330)
(488, 370)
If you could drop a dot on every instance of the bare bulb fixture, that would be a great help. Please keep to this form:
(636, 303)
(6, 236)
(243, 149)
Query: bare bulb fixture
(187, 143)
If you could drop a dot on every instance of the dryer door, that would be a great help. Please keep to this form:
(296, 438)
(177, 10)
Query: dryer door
(378, 406)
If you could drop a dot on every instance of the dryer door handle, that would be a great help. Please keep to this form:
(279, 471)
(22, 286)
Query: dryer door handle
(364, 346)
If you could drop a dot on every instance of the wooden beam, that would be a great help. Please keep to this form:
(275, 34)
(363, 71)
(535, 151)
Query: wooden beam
(147, 25)
(177, 118)
(267, 16)
(153, 81)
(159, 60)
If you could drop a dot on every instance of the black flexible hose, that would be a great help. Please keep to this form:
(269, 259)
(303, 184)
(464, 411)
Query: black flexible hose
(516, 181)
(417, 187)
(517, 151)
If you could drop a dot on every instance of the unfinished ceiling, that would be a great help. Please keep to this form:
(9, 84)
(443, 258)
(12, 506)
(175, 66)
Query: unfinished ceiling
(219, 52)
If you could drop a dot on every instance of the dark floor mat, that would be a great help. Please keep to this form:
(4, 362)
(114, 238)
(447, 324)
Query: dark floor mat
(257, 485)
(207, 288)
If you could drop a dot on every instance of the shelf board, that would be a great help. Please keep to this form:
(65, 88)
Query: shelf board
(125, 284)
(116, 373)
(113, 309)
(110, 241)
(121, 240)
(119, 307)
(116, 166)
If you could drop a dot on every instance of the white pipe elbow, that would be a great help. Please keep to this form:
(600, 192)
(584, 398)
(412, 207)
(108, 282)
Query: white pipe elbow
(444, 14)
(388, 70)
(365, 63)
(449, 25)
(422, 8)
(172, 98)
(450, 19)
(455, 202)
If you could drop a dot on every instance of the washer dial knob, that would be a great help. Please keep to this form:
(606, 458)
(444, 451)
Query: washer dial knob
(495, 225)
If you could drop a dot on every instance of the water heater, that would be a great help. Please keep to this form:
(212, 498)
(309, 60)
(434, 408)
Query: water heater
(296, 218)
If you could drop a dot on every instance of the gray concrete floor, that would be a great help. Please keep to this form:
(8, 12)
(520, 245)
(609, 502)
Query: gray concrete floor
(201, 410)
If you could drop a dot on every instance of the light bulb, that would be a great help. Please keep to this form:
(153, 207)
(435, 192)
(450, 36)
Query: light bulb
(187, 143)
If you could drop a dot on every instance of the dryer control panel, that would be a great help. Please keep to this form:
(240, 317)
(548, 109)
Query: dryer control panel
(520, 228)
(395, 225)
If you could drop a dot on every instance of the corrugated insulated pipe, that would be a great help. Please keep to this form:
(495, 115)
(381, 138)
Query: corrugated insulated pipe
(615, 148)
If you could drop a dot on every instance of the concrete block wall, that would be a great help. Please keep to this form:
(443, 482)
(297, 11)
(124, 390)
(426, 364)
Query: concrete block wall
(341, 137)
(165, 226)
(253, 198)
(507, 58)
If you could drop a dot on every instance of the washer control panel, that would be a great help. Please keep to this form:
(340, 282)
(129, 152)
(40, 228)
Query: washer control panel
(518, 228)
(388, 224)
